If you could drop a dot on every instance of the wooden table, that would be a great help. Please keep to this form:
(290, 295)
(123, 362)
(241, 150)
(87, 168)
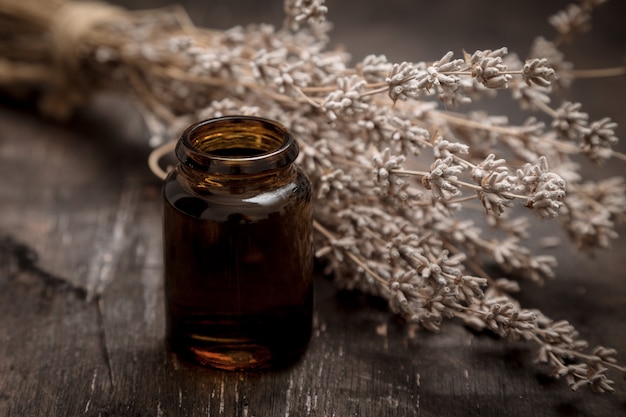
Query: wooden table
(81, 303)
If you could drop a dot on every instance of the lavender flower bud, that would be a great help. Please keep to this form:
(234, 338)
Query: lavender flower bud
(537, 71)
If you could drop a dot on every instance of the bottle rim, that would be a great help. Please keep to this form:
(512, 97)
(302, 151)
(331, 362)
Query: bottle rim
(198, 144)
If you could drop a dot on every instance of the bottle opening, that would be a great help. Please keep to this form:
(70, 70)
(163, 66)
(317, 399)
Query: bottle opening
(237, 144)
(237, 152)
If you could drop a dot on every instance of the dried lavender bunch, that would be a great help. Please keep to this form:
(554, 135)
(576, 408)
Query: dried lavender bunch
(398, 178)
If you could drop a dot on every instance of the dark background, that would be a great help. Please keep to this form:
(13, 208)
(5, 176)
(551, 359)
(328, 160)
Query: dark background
(79, 208)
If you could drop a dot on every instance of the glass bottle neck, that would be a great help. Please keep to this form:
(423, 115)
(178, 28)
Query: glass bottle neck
(236, 153)
(236, 145)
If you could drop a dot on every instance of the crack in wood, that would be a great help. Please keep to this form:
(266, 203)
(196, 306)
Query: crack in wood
(102, 339)
(17, 257)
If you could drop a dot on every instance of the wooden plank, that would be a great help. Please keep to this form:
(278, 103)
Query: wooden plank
(81, 303)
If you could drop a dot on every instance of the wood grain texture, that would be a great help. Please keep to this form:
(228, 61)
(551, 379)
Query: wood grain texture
(81, 303)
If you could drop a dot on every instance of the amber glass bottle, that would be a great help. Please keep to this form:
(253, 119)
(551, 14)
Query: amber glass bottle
(238, 246)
